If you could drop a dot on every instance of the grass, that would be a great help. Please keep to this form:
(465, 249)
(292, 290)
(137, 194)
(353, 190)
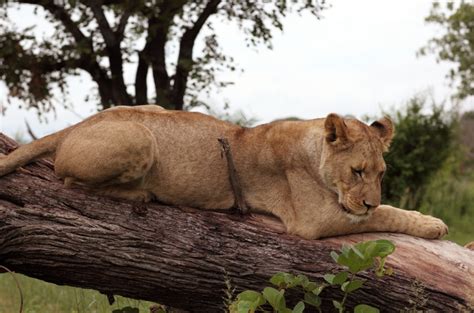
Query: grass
(461, 231)
(450, 196)
(41, 297)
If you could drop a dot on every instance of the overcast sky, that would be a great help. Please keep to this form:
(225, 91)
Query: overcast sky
(360, 57)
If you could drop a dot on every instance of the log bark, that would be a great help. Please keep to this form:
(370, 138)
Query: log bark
(181, 257)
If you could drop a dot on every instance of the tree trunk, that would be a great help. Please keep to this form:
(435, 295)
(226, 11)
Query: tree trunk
(185, 55)
(141, 90)
(182, 257)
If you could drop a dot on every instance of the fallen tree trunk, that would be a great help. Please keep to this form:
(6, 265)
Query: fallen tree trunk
(181, 257)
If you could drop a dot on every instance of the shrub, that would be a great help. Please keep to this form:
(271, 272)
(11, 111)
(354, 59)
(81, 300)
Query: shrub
(423, 142)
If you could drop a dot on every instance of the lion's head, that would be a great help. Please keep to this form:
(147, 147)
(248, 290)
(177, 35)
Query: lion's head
(352, 162)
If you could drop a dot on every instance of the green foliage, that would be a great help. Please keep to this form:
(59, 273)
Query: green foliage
(450, 196)
(428, 168)
(360, 257)
(423, 142)
(40, 296)
(364, 308)
(456, 44)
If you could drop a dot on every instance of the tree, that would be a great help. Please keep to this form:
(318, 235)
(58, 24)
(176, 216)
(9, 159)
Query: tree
(102, 37)
(457, 43)
(183, 257)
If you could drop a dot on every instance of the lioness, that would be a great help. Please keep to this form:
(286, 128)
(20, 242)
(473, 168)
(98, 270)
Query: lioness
(320, 177)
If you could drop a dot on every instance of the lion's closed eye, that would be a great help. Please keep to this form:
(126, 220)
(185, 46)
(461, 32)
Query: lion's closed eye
(357, 172)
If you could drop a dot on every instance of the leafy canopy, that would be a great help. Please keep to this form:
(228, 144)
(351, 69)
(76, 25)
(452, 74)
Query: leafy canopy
(456, 44)
(103, 37)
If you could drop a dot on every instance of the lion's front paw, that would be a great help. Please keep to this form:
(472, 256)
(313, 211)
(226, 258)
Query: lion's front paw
(431, 227)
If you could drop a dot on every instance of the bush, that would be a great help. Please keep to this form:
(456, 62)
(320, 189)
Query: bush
(422, 143)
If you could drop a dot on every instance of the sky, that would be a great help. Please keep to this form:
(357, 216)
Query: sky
(359, 59)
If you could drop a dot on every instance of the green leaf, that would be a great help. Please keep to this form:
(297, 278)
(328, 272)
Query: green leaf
(279, 279)
(368, 249)
(249, 295)
(244, 306)
(329, 278)
(345, 249)
(334, 256)
(380, 248)
(337, 305)
(386, 247)
(319, 289)
(301, 280)
(340, 278)
(287, 280)
(310, 286)
(275, 298)
(255, 299)
(352, 285)
(299, 307)
(312, 299)
(364, 308)
(358, 253)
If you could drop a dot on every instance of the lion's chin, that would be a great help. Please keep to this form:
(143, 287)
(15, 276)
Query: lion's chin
(357, 218)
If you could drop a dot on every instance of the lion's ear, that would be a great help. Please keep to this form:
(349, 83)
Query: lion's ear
(385, 129)
(336, 130)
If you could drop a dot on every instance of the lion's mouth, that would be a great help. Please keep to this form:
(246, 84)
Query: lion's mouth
(344, 208)
(350, 212)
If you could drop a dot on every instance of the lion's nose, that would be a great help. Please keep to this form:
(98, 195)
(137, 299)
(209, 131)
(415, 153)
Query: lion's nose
(369, 205)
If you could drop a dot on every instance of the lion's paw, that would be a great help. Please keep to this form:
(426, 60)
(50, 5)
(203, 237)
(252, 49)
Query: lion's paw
(431, 227)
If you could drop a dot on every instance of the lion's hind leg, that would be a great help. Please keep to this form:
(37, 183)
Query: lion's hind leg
(110, 158)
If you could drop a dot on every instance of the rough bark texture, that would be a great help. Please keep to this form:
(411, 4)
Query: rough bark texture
(181, 256)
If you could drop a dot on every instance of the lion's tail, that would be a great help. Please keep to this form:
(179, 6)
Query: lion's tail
(25, 154)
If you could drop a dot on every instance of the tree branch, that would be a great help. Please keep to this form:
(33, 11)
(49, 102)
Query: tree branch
(107, 33)
(62, 15)
(181, 257)
(119, 89)
(141, 90)
(119, 32)
(154, 51)
(87, 59)
(185, 56)
(156, 54)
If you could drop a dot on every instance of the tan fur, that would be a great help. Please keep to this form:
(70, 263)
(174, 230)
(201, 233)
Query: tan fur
(304, 172)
